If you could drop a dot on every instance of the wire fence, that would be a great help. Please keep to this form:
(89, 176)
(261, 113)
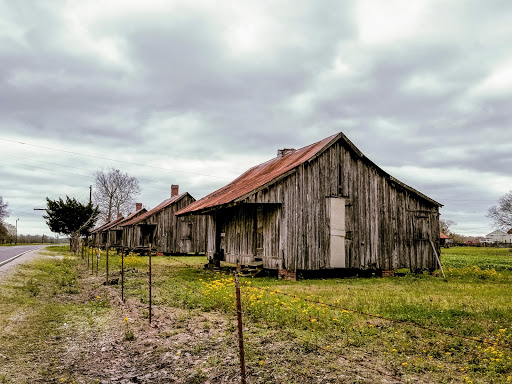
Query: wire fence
(239, 299)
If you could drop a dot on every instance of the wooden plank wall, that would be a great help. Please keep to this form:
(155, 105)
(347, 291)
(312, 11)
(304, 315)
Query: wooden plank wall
(387, 226)
(175, 235)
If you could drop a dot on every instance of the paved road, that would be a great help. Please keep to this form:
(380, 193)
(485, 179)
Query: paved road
(7, 253)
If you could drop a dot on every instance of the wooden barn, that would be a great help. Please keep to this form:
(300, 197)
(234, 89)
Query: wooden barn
(322, 207)
(112, 232)
(166, 232)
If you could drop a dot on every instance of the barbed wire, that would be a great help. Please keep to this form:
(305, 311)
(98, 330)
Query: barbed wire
(453, 334)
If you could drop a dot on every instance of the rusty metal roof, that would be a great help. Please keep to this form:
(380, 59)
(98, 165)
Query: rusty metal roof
(102, 227)
(112, 223)
(158, 208)
(269, 172)
(123, 222)
(256, 177)
(443, 236)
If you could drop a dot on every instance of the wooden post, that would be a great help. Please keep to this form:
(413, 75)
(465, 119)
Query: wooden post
(149, 253)
(122, 275)
(107, 262)
(87, 254)
(97, 261)
(240, 327)
(437, 257)
(83, 249)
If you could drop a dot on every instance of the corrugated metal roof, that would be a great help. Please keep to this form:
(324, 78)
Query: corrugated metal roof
(272, 170)
(158, 208)
(122, 223)
(102, 227)
(256, 177)
(112, 223)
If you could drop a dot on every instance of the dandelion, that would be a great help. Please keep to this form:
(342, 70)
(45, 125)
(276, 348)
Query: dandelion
(98, 297)
(313, 320)
(394, 350)
(262, 362)
(404, 364)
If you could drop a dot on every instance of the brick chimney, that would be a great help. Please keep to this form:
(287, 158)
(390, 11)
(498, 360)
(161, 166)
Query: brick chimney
(119, 215)
(285, 151)
(138, 206)
(174, 190)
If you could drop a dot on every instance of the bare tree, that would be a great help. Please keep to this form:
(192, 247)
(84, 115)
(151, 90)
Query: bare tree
(501, 214)
(444, 226)
(115, 192)
(4, 212)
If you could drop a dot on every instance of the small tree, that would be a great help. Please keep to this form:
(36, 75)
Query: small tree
(501, 214)
(115, 192)
(444, 226)
(71, 218)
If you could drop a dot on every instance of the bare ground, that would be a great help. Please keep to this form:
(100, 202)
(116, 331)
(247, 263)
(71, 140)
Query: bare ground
(180, 346)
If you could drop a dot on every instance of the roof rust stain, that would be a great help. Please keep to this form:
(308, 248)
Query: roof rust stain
(256, 177)
(158, 208)
(268, 172)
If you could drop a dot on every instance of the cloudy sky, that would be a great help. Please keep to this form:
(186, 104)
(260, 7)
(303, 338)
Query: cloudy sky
(196, 92)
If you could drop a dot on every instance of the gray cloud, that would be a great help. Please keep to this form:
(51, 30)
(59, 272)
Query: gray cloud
(215, 90)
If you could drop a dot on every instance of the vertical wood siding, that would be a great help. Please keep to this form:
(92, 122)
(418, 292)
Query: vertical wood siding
(387, 225)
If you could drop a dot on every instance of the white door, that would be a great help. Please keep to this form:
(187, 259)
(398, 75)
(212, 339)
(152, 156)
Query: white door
(336, 208)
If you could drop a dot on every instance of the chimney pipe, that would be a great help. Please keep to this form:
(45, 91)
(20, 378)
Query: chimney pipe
(138, 206)
(285, 151)
(174, 190)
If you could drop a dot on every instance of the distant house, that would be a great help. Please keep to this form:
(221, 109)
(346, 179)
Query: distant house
(498, 237)
(324, 206)
(111, 233)
(443, 240)
(166, 232)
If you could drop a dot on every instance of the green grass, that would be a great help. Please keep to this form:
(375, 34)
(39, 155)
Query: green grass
(33, 316)
(485, 258)
(320, 317)
(473, 301)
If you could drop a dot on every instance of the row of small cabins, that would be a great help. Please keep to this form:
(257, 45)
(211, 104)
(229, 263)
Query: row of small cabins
(322, 207)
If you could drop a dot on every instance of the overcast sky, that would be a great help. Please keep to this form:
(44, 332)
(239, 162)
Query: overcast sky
(195, 92)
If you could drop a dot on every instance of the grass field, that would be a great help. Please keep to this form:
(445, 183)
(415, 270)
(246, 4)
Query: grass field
(414, 328)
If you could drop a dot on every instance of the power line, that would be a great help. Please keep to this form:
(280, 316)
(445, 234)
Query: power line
(70, 166)
(81, 175)
(109, 159)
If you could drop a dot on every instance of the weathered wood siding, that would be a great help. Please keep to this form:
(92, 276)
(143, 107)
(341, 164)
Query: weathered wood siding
(387, 225)
(172, 234)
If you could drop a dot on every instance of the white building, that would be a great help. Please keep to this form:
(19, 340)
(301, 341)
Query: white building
(498, 236)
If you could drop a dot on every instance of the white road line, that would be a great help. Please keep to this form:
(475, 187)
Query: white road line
(15, 257)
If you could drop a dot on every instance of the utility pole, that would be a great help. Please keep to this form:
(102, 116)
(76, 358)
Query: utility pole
(16, 241)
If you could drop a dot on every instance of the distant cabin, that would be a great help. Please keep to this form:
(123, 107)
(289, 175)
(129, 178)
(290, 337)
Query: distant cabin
(322, 207)
(111, 232)
(167, 233)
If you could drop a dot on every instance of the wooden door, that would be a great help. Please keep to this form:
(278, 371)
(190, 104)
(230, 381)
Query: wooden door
(336, 209)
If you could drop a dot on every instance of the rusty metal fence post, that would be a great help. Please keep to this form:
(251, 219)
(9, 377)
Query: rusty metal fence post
(240, 327)
(149, 254)
(97, 261)
(107, 262)
(122, 275)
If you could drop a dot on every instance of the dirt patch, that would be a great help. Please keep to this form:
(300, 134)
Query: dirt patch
(113, 343)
